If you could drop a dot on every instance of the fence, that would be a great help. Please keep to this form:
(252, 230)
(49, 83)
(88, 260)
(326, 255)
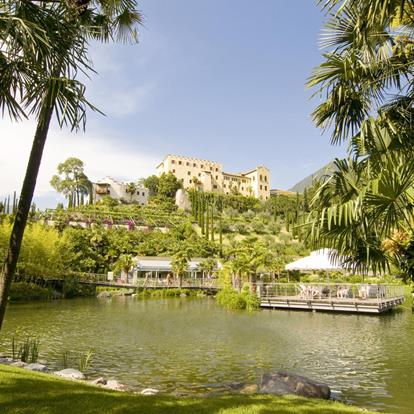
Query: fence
(337, 291)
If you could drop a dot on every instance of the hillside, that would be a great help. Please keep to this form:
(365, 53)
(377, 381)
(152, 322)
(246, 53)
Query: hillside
(308, 181)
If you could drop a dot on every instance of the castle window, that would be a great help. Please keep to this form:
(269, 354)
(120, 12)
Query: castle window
(216, 177)
(188, 172)
(266, 187)
(179, 162)
(201, 166)
(215, 186)
(261, 187)
(187, 164)
(172, 161)
(194, 165)
(190, 181)
(173, 171)
(216, 169)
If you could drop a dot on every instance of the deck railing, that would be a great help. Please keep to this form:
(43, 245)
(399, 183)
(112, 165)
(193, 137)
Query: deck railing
(337, 291)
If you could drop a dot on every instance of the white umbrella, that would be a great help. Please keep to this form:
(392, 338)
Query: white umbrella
(318, 260)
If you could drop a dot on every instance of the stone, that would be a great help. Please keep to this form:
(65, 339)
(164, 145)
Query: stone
(99, 381)
(37, 367)
(104, 294)
(19, 364)
(150, 391)
(6, 361)
(249, 389)
(70, 373)
(288, 383)
(183, 295)
(182, 200)
(114, 385)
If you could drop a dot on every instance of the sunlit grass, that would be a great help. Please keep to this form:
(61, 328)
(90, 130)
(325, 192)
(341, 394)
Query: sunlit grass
(26, 392)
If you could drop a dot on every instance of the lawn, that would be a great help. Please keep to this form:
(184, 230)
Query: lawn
(27, 392)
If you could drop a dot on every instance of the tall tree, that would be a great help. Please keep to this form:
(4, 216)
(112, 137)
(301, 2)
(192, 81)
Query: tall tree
(44, 49)
(72, 181)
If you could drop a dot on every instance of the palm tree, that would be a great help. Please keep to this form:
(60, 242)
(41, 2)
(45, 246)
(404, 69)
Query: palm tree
(131, 189)
(44, 48)
(179, 264)
(366, 77)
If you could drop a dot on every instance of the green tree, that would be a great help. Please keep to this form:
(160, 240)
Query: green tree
(72, 181)
(44, 49)
(131, 189)
(179, 263)
(152, 183)
(168, 185)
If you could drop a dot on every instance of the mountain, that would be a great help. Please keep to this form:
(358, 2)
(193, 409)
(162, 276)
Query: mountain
(308, 181)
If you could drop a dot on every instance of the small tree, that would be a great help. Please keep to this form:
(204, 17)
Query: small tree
(131, 189)
(179, 264)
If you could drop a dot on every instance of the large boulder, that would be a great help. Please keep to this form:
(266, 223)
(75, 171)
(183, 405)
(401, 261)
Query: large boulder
(37, 367)
(182, 200)
(287, 383)
(70, 373)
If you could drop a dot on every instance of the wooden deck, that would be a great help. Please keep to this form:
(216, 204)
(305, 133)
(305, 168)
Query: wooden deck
(378, 298)
(335, 305)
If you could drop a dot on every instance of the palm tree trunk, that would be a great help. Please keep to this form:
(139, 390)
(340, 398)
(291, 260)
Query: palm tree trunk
(9, 267)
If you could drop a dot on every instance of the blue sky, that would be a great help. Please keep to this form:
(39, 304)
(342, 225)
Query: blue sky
(221, 80)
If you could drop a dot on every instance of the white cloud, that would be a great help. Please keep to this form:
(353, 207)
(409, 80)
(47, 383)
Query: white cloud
(102, 155)
(123, 100)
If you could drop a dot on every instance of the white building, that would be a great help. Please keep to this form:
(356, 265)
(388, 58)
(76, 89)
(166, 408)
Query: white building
(118, 190)
(209, 176)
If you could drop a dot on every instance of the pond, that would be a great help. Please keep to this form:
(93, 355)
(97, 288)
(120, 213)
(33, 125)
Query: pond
(192, 346)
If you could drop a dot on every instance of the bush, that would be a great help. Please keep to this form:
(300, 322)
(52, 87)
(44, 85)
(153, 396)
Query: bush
(229, 298)
(72, 289)
(28, 291)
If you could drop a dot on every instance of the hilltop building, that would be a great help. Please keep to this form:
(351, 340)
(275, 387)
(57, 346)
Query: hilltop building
(119, 191)
(209, 176)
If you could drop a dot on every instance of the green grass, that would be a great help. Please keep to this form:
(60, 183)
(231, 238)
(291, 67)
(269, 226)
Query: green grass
(26, 392)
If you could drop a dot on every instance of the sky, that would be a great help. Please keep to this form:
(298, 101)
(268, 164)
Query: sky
(222, 80)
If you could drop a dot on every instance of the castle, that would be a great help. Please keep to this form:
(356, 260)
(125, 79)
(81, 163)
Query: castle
(209, 176)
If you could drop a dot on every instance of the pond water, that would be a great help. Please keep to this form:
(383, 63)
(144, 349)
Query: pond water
(192, 346)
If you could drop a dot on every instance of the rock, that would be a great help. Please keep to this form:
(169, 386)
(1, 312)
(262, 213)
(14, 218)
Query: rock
(104, 294)
(249, 389)
(6, 361)
(18, 364)
(287, 383)
(37, 367)
(182, 200)
(70, 373)
(183, 295)
(99, 381)
(150, 391)
(114, 385)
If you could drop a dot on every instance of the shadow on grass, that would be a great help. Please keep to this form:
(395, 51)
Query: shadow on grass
(25, 392)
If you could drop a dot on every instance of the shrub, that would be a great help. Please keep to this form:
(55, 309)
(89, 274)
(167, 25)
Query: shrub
(229, 298)
(28, 291)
